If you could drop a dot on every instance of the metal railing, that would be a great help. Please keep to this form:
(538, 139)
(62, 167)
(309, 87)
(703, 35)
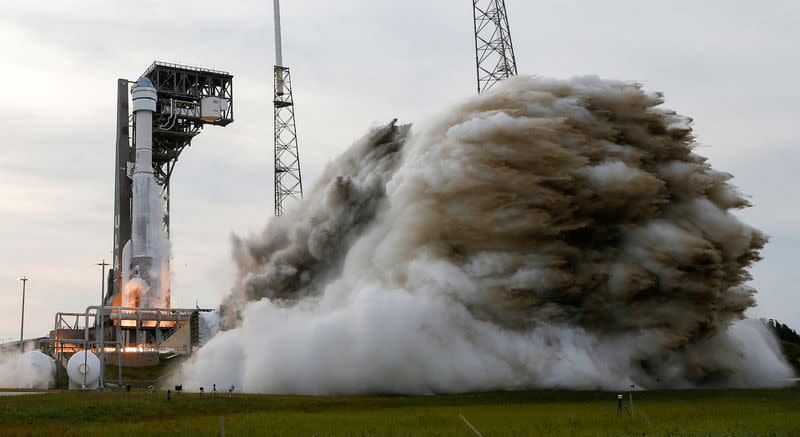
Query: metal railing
(182, 67)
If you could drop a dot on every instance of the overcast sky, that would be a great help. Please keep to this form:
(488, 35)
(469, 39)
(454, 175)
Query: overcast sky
(732, 65)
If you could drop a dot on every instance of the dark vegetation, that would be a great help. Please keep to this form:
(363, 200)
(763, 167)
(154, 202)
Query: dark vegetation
(790, 342)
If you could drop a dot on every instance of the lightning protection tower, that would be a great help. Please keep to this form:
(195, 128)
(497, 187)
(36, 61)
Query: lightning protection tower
(494, 52)
(288, 183)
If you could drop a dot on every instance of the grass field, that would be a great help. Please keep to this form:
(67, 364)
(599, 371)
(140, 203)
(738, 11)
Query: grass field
(538, 413)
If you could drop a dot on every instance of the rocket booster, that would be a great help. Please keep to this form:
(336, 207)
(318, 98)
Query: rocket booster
(145, 238)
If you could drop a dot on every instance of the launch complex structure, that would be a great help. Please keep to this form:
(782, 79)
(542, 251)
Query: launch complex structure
(135, 323)
(171, 104)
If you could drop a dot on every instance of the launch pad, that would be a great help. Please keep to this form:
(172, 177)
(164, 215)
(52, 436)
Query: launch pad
(124, 336)
(135, 324)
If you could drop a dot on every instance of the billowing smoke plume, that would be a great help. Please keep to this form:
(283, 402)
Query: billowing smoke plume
(8, 370)
(546, 234)
(31, 370)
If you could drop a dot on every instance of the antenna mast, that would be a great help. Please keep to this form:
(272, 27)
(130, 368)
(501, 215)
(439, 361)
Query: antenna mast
(288, 183)
(278, 45)
(494, 52)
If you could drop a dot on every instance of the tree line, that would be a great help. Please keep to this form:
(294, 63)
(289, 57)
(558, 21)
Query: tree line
(782, 331)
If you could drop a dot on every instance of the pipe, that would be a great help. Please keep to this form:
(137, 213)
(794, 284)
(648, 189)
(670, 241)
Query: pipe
(40, 341)
(158, 317)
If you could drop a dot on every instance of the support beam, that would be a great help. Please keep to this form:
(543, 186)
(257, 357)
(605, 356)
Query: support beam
(123, 191)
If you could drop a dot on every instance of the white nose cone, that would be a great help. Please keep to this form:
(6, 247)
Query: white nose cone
(144, 95)
(144, 82)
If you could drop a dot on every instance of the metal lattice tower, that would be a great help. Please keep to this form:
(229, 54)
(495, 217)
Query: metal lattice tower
(493, 48)
(288, 182)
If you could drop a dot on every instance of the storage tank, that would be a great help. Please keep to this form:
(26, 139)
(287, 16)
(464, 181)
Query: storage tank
(83, 370)
(35, 370)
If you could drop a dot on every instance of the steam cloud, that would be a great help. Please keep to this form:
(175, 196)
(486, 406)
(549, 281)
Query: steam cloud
(8, 370)
(546, 234)
(25, 371)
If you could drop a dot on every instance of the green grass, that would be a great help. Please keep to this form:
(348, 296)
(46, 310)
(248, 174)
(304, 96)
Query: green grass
(538, 413)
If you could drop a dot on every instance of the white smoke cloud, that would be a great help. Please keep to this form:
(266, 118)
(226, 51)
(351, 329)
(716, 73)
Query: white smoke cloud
(32, 370)
(8, 369)
(546, 234)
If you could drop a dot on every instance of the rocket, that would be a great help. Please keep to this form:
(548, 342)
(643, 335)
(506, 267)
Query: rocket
(144, 254)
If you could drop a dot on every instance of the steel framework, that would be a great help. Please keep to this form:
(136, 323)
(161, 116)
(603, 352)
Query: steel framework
(149, 327)
(182, 91)
(288, 181)
(494, 51)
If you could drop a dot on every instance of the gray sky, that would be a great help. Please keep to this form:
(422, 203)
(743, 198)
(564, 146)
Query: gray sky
(731, 65)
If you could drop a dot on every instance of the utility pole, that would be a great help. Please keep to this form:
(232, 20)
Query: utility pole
(103, 264)
(494, 52)
(22, 323)
(288, 183)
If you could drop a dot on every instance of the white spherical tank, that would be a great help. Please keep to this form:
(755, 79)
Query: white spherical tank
(35, 370)
(83, 370)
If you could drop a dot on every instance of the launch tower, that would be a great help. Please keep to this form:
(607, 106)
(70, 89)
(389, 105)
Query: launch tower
(288, 183)
(494, 52)
(180, 101)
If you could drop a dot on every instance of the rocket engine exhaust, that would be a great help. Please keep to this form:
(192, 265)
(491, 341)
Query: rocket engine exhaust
(548, 233)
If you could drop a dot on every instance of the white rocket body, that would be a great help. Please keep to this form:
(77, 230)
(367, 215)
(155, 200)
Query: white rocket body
(145, 247)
